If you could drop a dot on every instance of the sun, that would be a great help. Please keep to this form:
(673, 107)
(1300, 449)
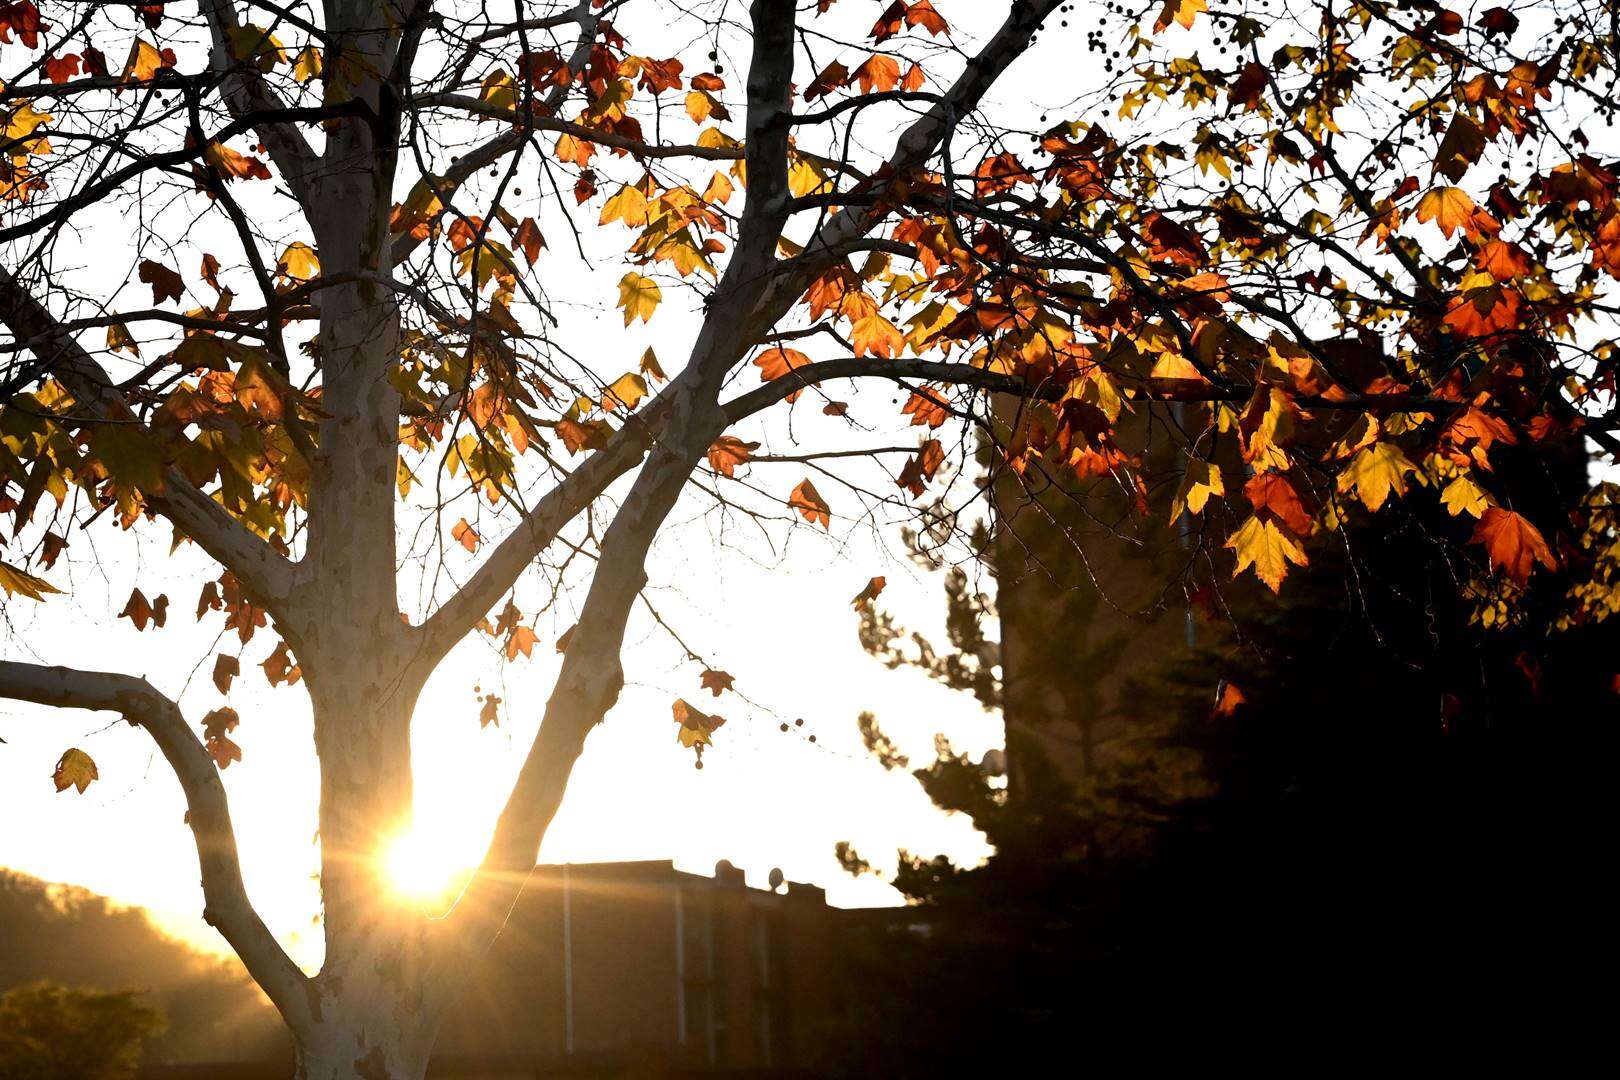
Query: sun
(420, 864)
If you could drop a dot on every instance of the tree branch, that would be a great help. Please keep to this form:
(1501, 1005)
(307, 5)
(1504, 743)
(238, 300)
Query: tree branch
(226, 904)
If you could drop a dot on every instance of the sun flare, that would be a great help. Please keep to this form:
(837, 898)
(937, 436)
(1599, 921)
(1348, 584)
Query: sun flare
(420, 864)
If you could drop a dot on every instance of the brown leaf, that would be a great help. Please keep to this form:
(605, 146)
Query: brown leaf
(165, 282)
(807, 501)
(716, 682)
(226, 668)
(870, 593)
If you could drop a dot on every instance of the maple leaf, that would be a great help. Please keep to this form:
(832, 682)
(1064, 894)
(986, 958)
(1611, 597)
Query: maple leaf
(625, 392)
(1249, 86)
(925, 408)
(465, 535)
(878, 73)
(521, 640)
(870, 593)
(1267, 548)
(280, 668)
(1230, 701)
(1513, 544)
(59, 69)
(921, 13)
(1199, 481)
(527, 239)
(639, 296)
(1274, 499)
(138, 611)
(728, 452)
(807, 501)
(21, 583)
(74, 769)
(1448, 207)
(233, 165)
(226, 668)
(716, 682)
(1375, 472)
(877, 336)
(299, 262)
(1463, 496)
(833, 76)
(697, 727)
(144, 61)
(778, 361)
(490, 712)
(890, 22)
(165, 282)
(216, 728)
(1179, 11)
(921, 467)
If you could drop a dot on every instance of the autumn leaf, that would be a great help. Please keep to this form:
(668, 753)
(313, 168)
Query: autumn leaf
(778, 361)
(728, 452)
(807, 501)
(1448, 207)
(299, 262)
(21, 583)
(528, 240)
(489, 713)
(1230, 701)
(521, 640)
(166, 284)
(1199, 481)
(465, 535)
(697, 727)
(921, 13)
(226, 668)
(1375, 472)
(625, 392)
(1513, 544)
(1182, 12)
(879, 73)
(1274, 499)
(217, 726)
(870, 592)
(138, 611)
(716, 682)
(650, 366)
(1267, 548)
(74, 769)
(307, 65)
(144, 61)
(1463, 496)
(280, 668)
(833, 76)
(639, 296)
(877, 336)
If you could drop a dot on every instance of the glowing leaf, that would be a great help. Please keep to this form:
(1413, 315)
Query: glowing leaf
(299, 262)
(75, 769)
(1179, 11)
(807, 501)
(1463, 496)
(21, 583)
(1200, 480)
(1267, 548)
(697, 727)
(626, 392)
(465, 535)
(639, 296)
(728, 452)
(1513, 544)
(870, 593)
(1375, 472)
(778, 361)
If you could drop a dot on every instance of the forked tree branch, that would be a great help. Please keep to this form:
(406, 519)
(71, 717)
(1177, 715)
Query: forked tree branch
(226, 904)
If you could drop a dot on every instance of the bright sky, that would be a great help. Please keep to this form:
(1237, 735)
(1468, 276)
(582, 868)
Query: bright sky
(773, 610)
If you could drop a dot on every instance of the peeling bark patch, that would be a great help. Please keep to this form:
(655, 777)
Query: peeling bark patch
(374, 1066)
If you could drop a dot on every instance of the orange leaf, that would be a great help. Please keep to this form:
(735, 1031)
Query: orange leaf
(521, 640)
(878, 73)
(1512, 543)
(464, 534)
(226, 668)
(728, 452)
(807, 501)
(870, 593)
(777, 361)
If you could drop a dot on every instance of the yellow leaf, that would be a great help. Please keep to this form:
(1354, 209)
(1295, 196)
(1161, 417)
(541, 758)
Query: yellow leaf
(144, 62)
(639, 296)
(626, 392)
(21, 583)
(1201, 480)
(650, 366)
(1179, 11)
(628, 205)
(299, 262)
(257, 46)
(499, 90)
(119, 339)
(877, 336)
(308, 65)
(75, 770)
(1463, 496)
(1376, 471)
(1267, 548)
(1448, 207)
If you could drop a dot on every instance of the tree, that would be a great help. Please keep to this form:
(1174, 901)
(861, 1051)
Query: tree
(1350, 314)
(52, 1033)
